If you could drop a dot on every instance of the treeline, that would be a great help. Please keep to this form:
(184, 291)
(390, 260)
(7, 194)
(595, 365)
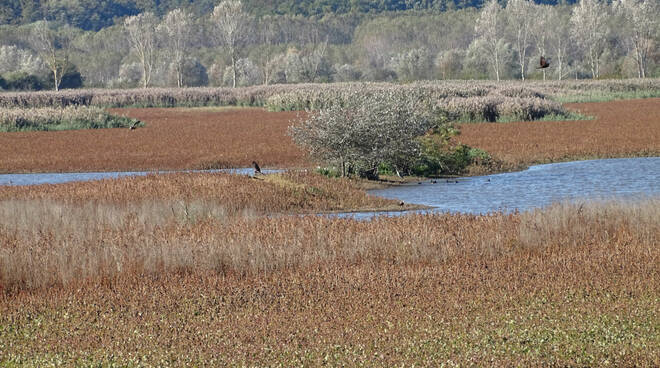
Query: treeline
(97, 14)
(227, 45)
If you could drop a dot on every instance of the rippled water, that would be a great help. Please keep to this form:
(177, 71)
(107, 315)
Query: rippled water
(535, 187)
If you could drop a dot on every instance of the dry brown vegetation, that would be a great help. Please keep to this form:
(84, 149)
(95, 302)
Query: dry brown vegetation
(216, 138)
(172, 139)
(214, 270)
(620, 129)
(570, 285)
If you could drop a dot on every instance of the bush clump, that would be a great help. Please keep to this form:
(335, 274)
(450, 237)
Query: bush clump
(384, 132)
(66, 118)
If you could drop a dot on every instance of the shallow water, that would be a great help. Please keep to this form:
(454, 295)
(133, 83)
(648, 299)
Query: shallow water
(536, 187)
(57, 178)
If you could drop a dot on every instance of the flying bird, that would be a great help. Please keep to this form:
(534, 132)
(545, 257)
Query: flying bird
(257, 169)
(543, 63)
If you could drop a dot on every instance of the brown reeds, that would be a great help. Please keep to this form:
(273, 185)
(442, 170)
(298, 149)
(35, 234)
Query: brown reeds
(573, 285)
(211, 138)
(281, 95)
(620, 129)
(172, 139)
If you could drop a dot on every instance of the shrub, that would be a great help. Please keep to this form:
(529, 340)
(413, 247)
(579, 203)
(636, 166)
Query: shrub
(71, 117)
(360, 134)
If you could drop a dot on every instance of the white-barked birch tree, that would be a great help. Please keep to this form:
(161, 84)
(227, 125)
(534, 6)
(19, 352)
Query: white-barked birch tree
(519, 15)
(640, 25)
(177, 33)
(141, 32)
(589, 31)
(489, 30)
(232, 22)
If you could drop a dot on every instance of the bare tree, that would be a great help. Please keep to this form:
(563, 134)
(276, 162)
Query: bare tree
(232, 23)
(543, 16)
(177, 31)
(267, 33)
(559, 36)
(589, 30)
(520, 14)
(314, 59)
(141, 31)
(640, 21)
(489, 31)
(54, 48)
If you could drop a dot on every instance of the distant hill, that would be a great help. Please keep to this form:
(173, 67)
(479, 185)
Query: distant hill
(97, 14)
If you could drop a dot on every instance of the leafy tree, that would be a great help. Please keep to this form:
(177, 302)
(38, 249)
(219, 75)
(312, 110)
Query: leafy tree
(54, 48)
(589, 30)
(489, 29)
(232, 22)
(141, 32)
(520, 15)
(369, 129)
(177, 33)
(639, 28)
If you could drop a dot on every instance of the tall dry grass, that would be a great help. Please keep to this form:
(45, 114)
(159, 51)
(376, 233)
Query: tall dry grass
(173, 139)
(259, 95)
(119, 283)
(621, 129)
(58, 238)
(54, 118)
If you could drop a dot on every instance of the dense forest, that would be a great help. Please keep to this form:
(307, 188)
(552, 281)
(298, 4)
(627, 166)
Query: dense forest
(121, 44)
(96, 14)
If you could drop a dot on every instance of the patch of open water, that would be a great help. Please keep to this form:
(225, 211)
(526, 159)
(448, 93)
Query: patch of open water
(535, 187)
(57, 178)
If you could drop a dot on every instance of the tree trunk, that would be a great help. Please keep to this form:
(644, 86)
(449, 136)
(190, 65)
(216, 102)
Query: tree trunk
(497, 66)
(233, 68)
(55, 80)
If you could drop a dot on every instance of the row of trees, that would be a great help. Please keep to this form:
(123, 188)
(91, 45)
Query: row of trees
(228, 46)
(522, 24)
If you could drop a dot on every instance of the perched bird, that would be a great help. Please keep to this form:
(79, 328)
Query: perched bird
(543, 63)
(401, 203)
(134, 125)
(257, 169)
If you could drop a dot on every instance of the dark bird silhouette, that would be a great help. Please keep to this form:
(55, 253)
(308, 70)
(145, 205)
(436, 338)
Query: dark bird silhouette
(543, 63)
(257, 169)
(134, 125)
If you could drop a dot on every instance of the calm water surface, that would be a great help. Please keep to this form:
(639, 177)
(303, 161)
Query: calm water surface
(535, 187)
(57, 178)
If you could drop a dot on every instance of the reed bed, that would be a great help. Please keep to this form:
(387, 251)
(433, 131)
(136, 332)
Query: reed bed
(172, 139)
(287, 193)
(66, 118)
(234, 137)
(629, 128)
(576, 284)
(260, 95)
